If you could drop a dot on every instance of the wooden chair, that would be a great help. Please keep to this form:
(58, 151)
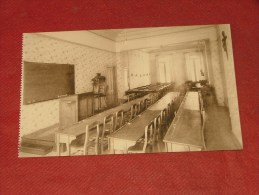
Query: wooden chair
(149, 98)
(157, 127)
(141, 106)
(146, 144)
(131, 113)
(154, 97)
(158, 135)
(163, 92)
(172, 110)
(160, 94)
(169, 113)
(164, 121)
(108, 128)
(131, 97)
(204, 120)
(201, 102)
(128, 115)
(89, 143)
(135, 110)
(119, 119)
(147, 103)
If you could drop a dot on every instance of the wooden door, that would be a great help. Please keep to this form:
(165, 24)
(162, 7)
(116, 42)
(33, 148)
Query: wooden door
(111, 86)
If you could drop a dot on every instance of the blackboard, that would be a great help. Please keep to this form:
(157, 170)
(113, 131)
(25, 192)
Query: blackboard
(47, 81)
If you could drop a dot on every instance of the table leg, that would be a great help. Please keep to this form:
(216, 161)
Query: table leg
(58, 143)
(111, 146)
(64, 139)
(68, 148)
(166, 147)
(68, 143)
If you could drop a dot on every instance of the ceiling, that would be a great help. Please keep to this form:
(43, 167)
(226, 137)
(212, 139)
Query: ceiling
(138, 33)
(175, 47)
(111, 34)
(122, 35)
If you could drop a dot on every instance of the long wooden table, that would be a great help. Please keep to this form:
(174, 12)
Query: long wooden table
(164, 101)
(149, 88)
(127, 136)
(67, 135)
(185, 132)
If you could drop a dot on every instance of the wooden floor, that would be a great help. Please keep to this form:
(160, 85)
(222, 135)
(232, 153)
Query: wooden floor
(218, 133)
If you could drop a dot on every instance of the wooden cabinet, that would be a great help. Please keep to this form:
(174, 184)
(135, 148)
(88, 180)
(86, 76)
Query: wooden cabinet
(85, 105)
(68, 111)
(75, 108)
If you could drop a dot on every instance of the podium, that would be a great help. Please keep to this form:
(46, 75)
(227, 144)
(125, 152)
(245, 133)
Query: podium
(99, 93)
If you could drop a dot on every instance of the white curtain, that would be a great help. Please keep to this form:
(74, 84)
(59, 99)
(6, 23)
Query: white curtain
(161, 71)
(194, 68)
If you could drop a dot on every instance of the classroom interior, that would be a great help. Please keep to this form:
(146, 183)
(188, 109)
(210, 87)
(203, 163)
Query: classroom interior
(127, 91)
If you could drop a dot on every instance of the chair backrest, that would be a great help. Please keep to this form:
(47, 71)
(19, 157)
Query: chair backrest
(160, 94)
(169, 108)
(94, 127)
(204, 120)
(108, 124)
(201, 102)
(169, 112)
(134, 110)
(146, 103)
(164, 115)
(119, 119)
(154, 97)
(157, 128)
(127, 115)
(141, 106)
(151, 97)
(149, 136)
(131, 97)
(172, 109)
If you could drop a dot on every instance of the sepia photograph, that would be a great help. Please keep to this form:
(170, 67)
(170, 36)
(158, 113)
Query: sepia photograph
(128, 91)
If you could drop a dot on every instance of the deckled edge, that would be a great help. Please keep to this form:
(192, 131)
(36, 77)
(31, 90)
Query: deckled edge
(21, 97)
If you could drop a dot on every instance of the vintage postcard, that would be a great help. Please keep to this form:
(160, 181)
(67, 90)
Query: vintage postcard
(127, 91)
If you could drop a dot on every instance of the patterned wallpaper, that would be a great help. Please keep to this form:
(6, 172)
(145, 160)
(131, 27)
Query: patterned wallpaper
(88, 61)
